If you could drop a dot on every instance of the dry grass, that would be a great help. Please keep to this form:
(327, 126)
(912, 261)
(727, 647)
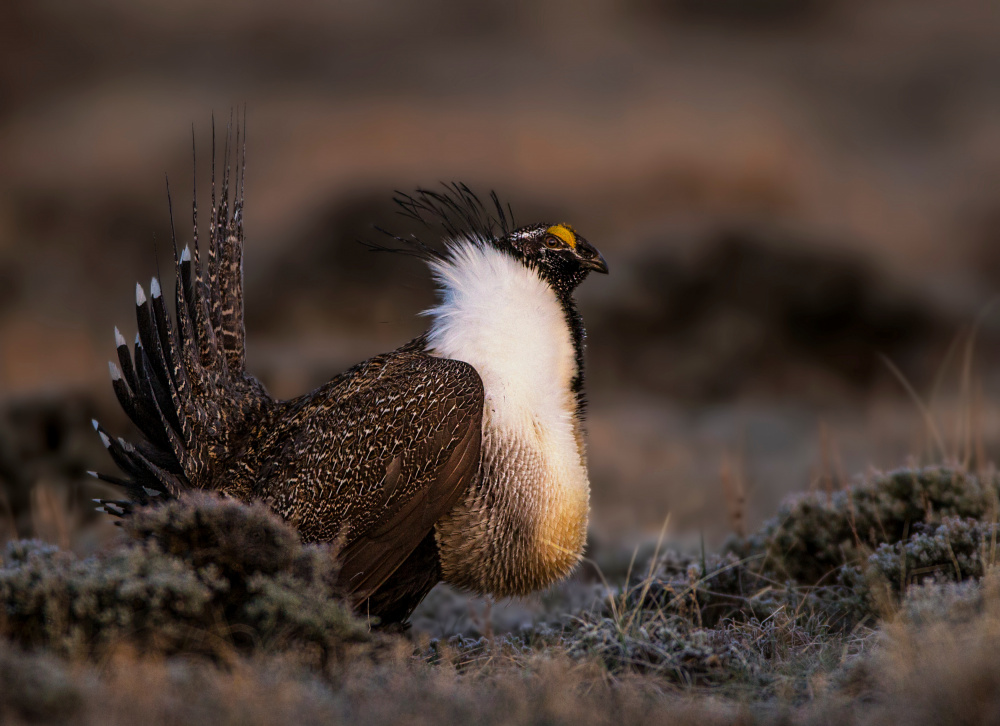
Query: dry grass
(920, 672)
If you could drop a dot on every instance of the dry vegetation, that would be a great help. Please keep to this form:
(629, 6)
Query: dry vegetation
(854, 606)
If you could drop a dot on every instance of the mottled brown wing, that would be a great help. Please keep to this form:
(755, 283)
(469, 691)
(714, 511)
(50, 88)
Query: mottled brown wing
(375, 554)
(377, 456)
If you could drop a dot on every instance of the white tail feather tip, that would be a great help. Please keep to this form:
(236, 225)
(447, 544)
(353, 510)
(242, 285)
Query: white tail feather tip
(140, 296)
(154, 287)
(115, 373)
(119, 339)
(105, 440)
(93, 474)
(93, 422)
(186, 254)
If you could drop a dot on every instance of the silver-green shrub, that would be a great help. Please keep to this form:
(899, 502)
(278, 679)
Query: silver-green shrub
(200, 574)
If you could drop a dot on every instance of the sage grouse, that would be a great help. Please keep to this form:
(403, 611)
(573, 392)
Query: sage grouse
(458, 457)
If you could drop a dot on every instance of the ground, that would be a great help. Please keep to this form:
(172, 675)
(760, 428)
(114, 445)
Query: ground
(863, 604)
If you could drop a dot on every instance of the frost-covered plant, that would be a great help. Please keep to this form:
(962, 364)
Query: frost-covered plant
(815, 534)
(198, 574)
(957, 549)
(812, 569)
(671, 646)
(723, 587)
(939, 601)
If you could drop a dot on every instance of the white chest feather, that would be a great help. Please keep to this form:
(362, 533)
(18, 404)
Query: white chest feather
(504, 320)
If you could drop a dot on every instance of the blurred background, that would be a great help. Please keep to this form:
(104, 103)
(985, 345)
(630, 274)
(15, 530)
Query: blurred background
(799, 201)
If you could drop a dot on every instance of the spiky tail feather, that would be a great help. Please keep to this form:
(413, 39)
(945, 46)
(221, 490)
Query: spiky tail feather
(184, 384)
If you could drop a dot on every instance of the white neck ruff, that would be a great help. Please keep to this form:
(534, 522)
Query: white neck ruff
(501, 317)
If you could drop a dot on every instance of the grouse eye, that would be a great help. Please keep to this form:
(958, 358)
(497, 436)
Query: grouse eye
(553, 242)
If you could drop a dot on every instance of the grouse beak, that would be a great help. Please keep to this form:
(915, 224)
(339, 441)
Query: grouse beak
(590, 258)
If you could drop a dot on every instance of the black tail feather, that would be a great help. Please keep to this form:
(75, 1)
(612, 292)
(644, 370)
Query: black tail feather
(131, 405)
(184, 384)
(181, 409)
(125, 359)
(154, 396)
(155, 366)
(121, 457)
(116, 480)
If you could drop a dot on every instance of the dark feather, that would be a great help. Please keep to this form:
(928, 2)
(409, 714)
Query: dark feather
(452, 212)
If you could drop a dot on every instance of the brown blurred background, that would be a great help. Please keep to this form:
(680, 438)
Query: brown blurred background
(785, 190)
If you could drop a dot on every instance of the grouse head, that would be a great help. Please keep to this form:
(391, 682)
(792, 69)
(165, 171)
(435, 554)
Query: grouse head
(561, 256)
(557, 252)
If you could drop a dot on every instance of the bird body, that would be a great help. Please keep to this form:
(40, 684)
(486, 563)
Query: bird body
(459, 456)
